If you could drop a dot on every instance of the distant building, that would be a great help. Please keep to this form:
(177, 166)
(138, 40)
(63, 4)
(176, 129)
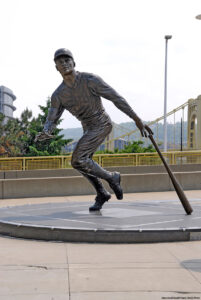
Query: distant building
(6, 102)
(70, 147)
(117, 144)
(120, 144)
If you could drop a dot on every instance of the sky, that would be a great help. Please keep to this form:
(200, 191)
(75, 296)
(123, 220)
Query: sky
(121, 41)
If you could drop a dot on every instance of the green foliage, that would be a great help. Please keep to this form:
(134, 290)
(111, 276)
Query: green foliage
(137, 147)
(10, 136)
(48, 147)
(18, 135)
(104, 152)
(134, 147)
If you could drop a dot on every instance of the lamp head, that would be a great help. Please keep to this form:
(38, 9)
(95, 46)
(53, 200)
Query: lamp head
(168, 37)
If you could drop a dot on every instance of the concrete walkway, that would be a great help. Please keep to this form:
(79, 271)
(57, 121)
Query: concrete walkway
(57, 271)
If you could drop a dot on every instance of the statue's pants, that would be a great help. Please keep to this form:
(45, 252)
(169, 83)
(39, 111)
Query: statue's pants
(82, 156)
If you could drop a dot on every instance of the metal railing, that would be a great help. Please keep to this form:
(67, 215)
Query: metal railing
(105, 160)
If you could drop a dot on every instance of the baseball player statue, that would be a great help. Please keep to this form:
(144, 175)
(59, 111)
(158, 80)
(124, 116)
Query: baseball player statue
(80, 93)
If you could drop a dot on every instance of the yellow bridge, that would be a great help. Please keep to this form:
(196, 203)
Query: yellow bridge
(190, 111)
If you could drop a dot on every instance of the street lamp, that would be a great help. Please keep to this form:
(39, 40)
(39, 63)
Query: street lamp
(167, 37)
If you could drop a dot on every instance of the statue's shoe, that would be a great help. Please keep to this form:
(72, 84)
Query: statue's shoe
(115, 185)
(99, 201)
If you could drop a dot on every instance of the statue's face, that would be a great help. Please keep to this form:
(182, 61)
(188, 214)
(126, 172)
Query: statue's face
(65, 65)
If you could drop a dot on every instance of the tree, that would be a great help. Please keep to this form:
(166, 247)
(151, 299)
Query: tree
(48, 147)
(104, 152)
(10, 136)
(134, 147)
(137, 147)
(17, 136)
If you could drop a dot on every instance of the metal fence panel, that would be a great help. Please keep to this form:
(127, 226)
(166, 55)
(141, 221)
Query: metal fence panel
(9, 165)
(35, 164)
(105, 160)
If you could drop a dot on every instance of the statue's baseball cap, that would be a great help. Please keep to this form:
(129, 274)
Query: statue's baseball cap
(63, 51)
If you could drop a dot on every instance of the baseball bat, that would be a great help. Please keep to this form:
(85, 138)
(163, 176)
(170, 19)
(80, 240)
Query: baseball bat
(186, 205)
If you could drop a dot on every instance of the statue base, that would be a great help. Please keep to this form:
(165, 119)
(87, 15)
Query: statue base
(117, 222)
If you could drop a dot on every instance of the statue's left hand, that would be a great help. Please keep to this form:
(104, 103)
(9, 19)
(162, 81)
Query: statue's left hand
(42, 136)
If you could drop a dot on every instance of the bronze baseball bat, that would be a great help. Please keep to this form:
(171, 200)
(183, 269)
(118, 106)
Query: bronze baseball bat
(186, 205)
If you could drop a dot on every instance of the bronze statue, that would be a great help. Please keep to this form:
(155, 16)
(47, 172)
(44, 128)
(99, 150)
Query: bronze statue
(80, 93)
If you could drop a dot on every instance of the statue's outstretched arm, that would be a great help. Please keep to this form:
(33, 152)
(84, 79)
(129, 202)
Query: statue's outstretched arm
(54, 113)
(102, 89)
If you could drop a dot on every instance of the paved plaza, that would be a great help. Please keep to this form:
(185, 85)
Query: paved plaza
(43, 270)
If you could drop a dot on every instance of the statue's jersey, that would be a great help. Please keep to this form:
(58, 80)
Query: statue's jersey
(83, 100)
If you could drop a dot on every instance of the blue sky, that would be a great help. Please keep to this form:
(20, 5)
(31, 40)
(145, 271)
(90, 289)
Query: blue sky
(121, 41)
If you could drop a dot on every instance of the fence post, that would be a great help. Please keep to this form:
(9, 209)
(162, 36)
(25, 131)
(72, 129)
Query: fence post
(24, 164)
(174, 158)
(100, 160)
(137, 159)
(62, 162)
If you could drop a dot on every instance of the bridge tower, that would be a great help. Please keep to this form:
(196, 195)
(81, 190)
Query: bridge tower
(194, 123)
(109, 142)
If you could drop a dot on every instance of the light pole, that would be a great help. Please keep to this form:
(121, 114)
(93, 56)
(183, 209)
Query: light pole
(167, 37)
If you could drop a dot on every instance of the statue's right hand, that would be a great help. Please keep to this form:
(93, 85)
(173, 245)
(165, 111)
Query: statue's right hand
(42, 136)
(149, 130)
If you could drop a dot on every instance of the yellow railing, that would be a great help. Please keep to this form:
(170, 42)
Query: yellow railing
(105, 160)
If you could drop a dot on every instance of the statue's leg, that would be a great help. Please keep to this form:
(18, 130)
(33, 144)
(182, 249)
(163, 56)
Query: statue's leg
(82, 158)
(97, 184)
(102, 194)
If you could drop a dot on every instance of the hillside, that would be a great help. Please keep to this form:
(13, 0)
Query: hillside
(72, 133)
(76, 133)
